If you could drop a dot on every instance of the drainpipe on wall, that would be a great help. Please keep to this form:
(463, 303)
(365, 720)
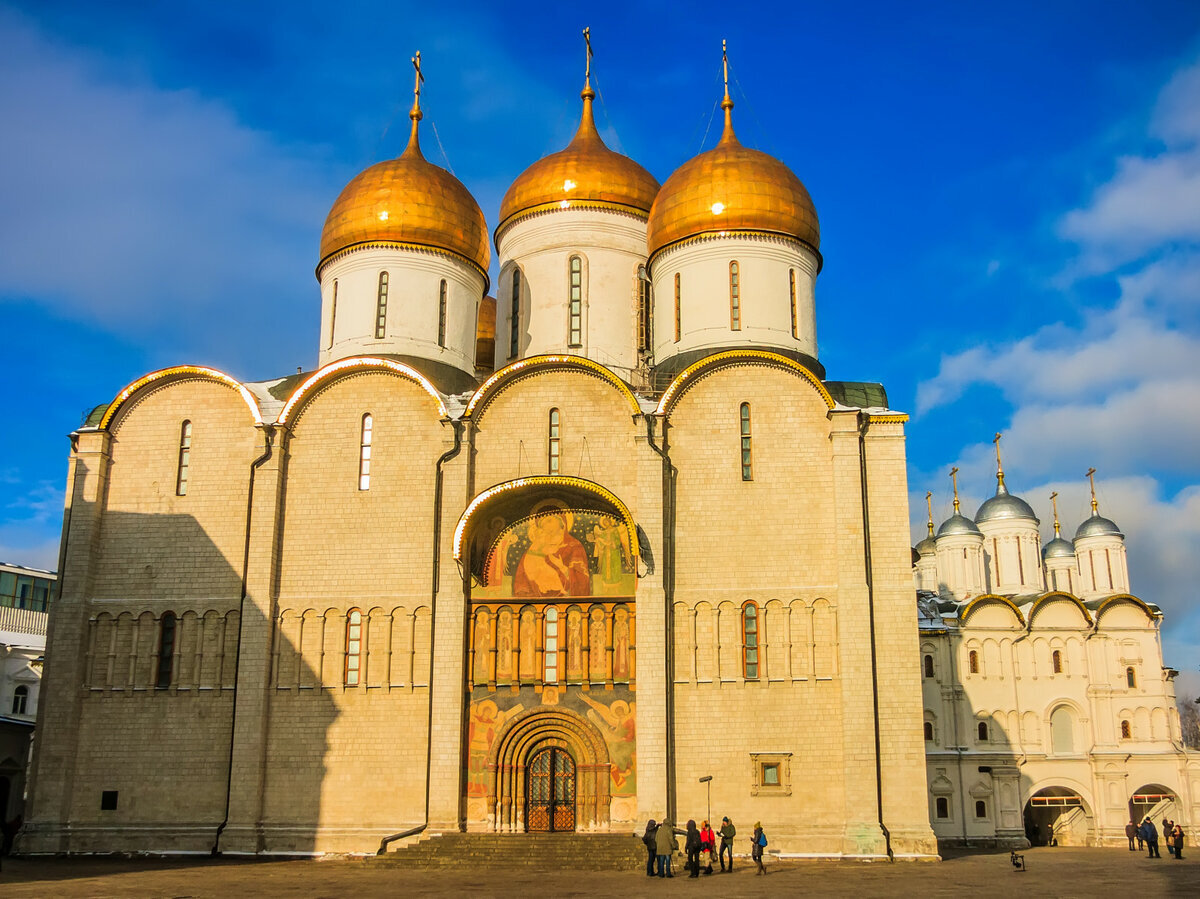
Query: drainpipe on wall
(445, 457)
(269, 446)
(863, 423)
(668, 577)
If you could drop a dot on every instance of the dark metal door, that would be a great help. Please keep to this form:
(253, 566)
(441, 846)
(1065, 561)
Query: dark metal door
(550, 792)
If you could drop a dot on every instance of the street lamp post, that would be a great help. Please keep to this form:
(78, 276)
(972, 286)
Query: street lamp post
(707, 781)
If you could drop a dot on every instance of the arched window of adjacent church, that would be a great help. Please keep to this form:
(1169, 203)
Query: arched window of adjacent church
(1062, 730)
(1126, 731)
(747, 467)
(185, 458)
(514, 319)
(555, 441)
(980, 808)
(381, 307)
(645, 311)
(678, 316)
(576, 301)
(792, 291)
(550, 647)
(943, 807)
(973, 662)
(1130, 678)
(20, 700)
(353, 647)
(332, 312)
(928, 731)
(1056, 661)
(364, 452)
(929, 666)
(166, 650)
(442, 314)
(735, 298)
(983, 731)
(750, 641)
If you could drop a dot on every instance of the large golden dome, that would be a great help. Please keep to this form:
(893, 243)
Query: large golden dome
(408, 200)
(585, 172)
(732, 188)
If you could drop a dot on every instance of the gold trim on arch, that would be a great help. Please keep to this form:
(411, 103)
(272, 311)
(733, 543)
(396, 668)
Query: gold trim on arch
(360, 363)
(546, 481)
(1059, 594)
(1126, 597)
(669, 397)
(991, 597)
(550, 360)
(198, 371)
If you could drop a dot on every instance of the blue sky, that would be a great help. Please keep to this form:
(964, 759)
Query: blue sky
(1009, 202)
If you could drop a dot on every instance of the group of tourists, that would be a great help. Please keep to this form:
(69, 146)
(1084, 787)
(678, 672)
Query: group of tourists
(699, 845)
(1146, 836)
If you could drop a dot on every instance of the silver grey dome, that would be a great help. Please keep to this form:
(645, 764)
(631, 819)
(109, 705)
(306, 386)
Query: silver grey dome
(1004, 506)
(958, 524)
(926, 547)
(1058, 548)
(1099, 526)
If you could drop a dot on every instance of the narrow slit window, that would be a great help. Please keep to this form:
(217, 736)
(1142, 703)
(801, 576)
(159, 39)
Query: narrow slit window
(928, 731)
(555, 447)
(983, 731)
(364, 452)
(550, 653)
(747, 467)
(1130, 678)
(353, 647)
(735, 298)
(645, 311)
(576, 301)
(980, 808)
(929, 666)
(381, 307)
(332, 312)
(166, 650)
(973, 662)
(678, 318)
(185, 458)
(1056, 661)
(792, 290)
(442, 314)
(1126, 731)
(750, 641)
(514, 318)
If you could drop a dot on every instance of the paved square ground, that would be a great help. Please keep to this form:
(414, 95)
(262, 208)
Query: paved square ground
(1051, 872)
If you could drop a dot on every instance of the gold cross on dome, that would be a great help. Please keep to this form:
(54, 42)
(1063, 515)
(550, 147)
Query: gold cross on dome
(954, 481)
(418, 79)
(1054, 504)
(1091, 476)
(587, 71)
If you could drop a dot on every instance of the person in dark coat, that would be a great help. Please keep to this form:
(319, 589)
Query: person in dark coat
(1177, 840)
(727, 833)
(1150, 835)
(651, 846)
(1168, 829)
(1131, 833)
(664, 844)
(692, 847)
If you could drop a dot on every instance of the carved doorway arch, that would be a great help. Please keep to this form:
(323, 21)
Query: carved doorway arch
(523, 743)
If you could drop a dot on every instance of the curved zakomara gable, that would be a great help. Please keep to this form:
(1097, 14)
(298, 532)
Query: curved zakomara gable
(988, 598)
(1129, 598)
(164, 376)
(1046, 598)
(716, 361)
(523, 367)
(534, 482)
(314, 382)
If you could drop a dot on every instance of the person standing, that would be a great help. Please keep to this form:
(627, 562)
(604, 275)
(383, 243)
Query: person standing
(664, 844)
(708, 841)
(1131, 833)
(1150, 835)
(651, 846)
(760, 843)
(691, 846)
(728, 832)
(1167, 833)
(1177, 839)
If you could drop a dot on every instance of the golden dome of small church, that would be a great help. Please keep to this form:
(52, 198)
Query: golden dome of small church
(563, 552)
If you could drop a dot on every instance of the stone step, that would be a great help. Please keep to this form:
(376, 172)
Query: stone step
(586, 852)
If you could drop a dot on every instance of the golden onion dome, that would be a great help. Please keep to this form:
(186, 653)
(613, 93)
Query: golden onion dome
(732, 188)
(408, 200)
(585, 172)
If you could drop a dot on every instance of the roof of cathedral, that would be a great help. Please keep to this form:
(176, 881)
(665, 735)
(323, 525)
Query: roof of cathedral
(958, 524)
(408, 200)
(1004, 506)
(732, 188)
(1098, 526)
(1058, 548)
(926, 547)
(585, 173)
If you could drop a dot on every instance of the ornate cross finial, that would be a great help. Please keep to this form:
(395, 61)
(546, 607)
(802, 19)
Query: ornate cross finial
(418, 79)
(587, 71)
(1091, 476)
(725, 66)
(999, 465)
(929, 504)
(1054, 504)
(954, 481)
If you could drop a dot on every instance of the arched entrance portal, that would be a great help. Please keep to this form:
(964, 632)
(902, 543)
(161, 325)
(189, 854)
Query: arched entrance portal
(549, 771)
(1153, 801)
(550, 791)
(1057, 816)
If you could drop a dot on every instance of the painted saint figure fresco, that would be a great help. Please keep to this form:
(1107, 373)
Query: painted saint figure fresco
(555, 564)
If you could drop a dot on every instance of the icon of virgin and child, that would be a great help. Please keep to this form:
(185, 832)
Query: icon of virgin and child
(552, 560)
